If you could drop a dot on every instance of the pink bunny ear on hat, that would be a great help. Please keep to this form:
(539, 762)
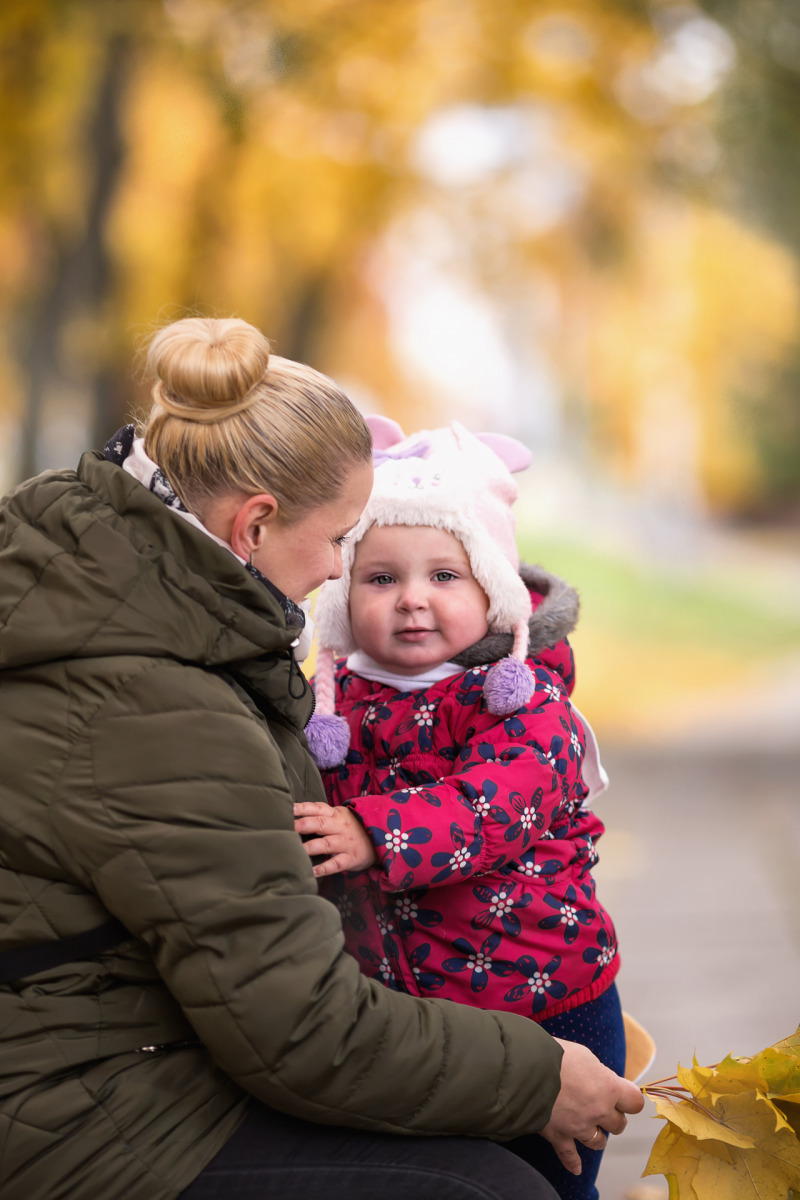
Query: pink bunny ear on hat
(511, 452)
(385, 432)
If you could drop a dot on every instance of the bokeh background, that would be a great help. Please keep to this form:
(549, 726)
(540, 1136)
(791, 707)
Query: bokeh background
(575, 222)
(571, 221)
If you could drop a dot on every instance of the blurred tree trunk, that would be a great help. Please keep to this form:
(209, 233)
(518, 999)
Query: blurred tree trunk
(80, 281)
(306, 319)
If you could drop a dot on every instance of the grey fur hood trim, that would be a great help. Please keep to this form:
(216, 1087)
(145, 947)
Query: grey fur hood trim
(552, 621)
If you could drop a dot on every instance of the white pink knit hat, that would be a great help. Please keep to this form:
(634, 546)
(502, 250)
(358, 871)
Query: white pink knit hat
(454, 480)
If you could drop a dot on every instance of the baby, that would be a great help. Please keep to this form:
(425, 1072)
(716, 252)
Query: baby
(458, 842)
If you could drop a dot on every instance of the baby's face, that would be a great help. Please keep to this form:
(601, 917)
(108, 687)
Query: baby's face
(414, 602)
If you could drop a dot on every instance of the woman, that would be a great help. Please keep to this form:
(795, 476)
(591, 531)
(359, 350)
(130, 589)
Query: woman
(176, 1005)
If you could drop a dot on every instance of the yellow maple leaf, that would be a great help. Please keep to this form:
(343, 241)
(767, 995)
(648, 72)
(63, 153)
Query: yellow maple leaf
(732, 1129)
(700, 1124)
(775, 1071)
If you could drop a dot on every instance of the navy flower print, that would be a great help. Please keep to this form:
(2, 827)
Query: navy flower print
(478, 962)
(535, 867)
(410, 914)
(459, 859)
(397, 840)
(428, 981)
(552, 756)
(382, 968)
(574, 744)
(529, 816)
(569, 914)
(541, 985)
(422, 721)
(500, 906)
(603, 954)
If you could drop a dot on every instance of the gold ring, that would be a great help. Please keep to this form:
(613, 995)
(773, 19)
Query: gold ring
(597, 1133)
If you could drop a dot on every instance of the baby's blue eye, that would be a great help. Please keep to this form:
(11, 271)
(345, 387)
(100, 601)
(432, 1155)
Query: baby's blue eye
(382, 579)
(444, 576)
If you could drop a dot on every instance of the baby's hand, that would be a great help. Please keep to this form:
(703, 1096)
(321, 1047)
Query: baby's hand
(344, 838)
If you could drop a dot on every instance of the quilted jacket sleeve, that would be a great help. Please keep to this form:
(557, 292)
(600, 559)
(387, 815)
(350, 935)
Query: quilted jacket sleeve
(185, 831)
(513, 776)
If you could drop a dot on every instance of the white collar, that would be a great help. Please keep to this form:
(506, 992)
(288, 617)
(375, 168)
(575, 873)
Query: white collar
(361, 664)
(143, 468)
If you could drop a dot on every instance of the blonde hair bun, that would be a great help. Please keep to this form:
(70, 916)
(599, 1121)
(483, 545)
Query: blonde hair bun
(206, 368)
(229, 418)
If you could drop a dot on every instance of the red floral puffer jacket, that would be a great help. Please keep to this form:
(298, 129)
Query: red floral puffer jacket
(483, 891)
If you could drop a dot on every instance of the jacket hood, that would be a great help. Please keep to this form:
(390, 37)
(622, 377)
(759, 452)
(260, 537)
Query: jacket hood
(554, 618)
(95, 565)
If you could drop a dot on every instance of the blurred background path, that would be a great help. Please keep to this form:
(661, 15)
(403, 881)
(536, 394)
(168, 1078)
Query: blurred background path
(700, 869)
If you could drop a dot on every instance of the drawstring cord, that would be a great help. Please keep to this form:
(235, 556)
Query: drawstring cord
(294, 670)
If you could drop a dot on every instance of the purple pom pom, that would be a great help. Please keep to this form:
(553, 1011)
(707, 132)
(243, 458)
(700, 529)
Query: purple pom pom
(328, 739)
(509, 684)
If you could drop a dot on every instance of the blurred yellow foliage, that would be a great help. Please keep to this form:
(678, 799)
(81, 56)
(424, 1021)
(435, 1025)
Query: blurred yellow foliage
(701, 302)
(253, 157)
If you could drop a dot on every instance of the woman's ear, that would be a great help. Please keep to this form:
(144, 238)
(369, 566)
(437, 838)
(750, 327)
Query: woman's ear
(252, 523)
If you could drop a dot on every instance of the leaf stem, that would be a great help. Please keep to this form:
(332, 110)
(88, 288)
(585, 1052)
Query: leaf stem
(680, 1095)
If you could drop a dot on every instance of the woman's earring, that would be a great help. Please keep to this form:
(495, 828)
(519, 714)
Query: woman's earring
(251, 558)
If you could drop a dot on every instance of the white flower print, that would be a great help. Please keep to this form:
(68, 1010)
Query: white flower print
(533, 869)
(424, 715)
(406, 909)
(482, 804)
(385, 923)
(396, 840)
(539, 982)
(480, 961)
(607, 954)
(501, 905)
(385, 970)
(551, 690)
(551, 758)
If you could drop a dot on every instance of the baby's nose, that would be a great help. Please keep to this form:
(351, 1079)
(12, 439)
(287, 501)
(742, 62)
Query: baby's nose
(413, 596)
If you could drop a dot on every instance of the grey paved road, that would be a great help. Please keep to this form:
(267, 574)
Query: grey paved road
(700, 869)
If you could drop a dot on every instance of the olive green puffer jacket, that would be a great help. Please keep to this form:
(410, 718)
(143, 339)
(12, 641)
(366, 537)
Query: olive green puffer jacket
(151, 747)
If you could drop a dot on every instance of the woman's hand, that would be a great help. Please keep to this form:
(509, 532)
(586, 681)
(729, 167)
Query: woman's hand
(343, 837)
(591, 1103)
